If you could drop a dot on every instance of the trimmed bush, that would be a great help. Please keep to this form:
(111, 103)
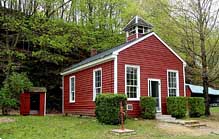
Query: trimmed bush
(196, 106)
(176, 106)
(108, 108)
(148, 107)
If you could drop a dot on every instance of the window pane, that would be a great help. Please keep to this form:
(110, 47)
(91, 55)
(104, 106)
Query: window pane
(172, 92)
(131, 82)
(97, 82)
(72, 89)
(172, 83)
(131, 92)
(98, 91)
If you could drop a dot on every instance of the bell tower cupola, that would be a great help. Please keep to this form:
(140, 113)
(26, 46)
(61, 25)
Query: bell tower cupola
(136, 28)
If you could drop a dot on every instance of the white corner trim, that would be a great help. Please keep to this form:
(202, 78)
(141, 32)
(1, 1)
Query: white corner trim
(139, 82)
(94, 82)
(184, 80)
(90, 64)
(115, 74)
(45, 104)
(177, 80)
(70, 95)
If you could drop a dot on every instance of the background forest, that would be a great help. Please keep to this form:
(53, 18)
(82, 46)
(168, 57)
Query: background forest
(40, 38)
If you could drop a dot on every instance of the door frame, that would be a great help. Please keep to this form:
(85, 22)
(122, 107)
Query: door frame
(159, 87)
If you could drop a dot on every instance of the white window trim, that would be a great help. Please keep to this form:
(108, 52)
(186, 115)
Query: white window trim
(94, 87)
(139, 78)
(177, 82)
(70, 95)
(127, 107)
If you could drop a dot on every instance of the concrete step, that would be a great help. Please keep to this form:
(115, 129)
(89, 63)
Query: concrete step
(188, 122)
(196, 125)
(164, 117)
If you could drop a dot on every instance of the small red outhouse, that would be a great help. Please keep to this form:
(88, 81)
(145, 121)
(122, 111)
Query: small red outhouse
(33, 102)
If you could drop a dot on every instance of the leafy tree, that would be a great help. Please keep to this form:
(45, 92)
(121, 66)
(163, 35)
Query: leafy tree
(10, 92)
(197, 23)
(11, 26)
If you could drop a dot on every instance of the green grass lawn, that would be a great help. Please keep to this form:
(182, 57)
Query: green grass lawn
(215, 110)
(67, 127)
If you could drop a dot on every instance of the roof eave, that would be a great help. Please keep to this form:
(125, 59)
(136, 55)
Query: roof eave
(88, 65)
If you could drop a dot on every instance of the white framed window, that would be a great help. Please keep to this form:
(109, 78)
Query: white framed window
(129, 107)
(97, 82)
(173, 82)
(72, 89)
(132, 82)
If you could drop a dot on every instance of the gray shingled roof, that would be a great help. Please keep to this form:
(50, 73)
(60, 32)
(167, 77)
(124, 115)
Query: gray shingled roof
(137, 21)
(101, 55)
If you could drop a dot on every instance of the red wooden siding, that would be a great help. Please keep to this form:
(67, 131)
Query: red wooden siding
(25, 104)
(131, 37)
(154, 60)
(42, 104)
(134, 36)
(188, 91)
(84, 103)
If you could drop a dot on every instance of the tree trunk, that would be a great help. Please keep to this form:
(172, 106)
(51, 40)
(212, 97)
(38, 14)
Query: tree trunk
(204, 75)
(202, 37)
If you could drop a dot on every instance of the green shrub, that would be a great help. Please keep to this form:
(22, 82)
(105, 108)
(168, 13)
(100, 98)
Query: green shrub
(15, 84)
(176, 106)
(196, 106)
(108, 108)
(148, 107)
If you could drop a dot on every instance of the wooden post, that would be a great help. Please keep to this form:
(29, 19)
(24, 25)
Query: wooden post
(122, 116)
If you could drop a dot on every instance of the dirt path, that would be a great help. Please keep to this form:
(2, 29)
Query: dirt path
(6, 120)
(211, 128)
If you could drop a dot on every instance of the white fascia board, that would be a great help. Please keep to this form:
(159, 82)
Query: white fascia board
(133, 43)
(88, 65)
(184, 63)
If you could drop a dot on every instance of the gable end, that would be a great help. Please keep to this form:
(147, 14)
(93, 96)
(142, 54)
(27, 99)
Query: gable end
(145, 37)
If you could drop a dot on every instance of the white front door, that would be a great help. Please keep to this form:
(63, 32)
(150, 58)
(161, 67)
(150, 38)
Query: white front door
(154, 90)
